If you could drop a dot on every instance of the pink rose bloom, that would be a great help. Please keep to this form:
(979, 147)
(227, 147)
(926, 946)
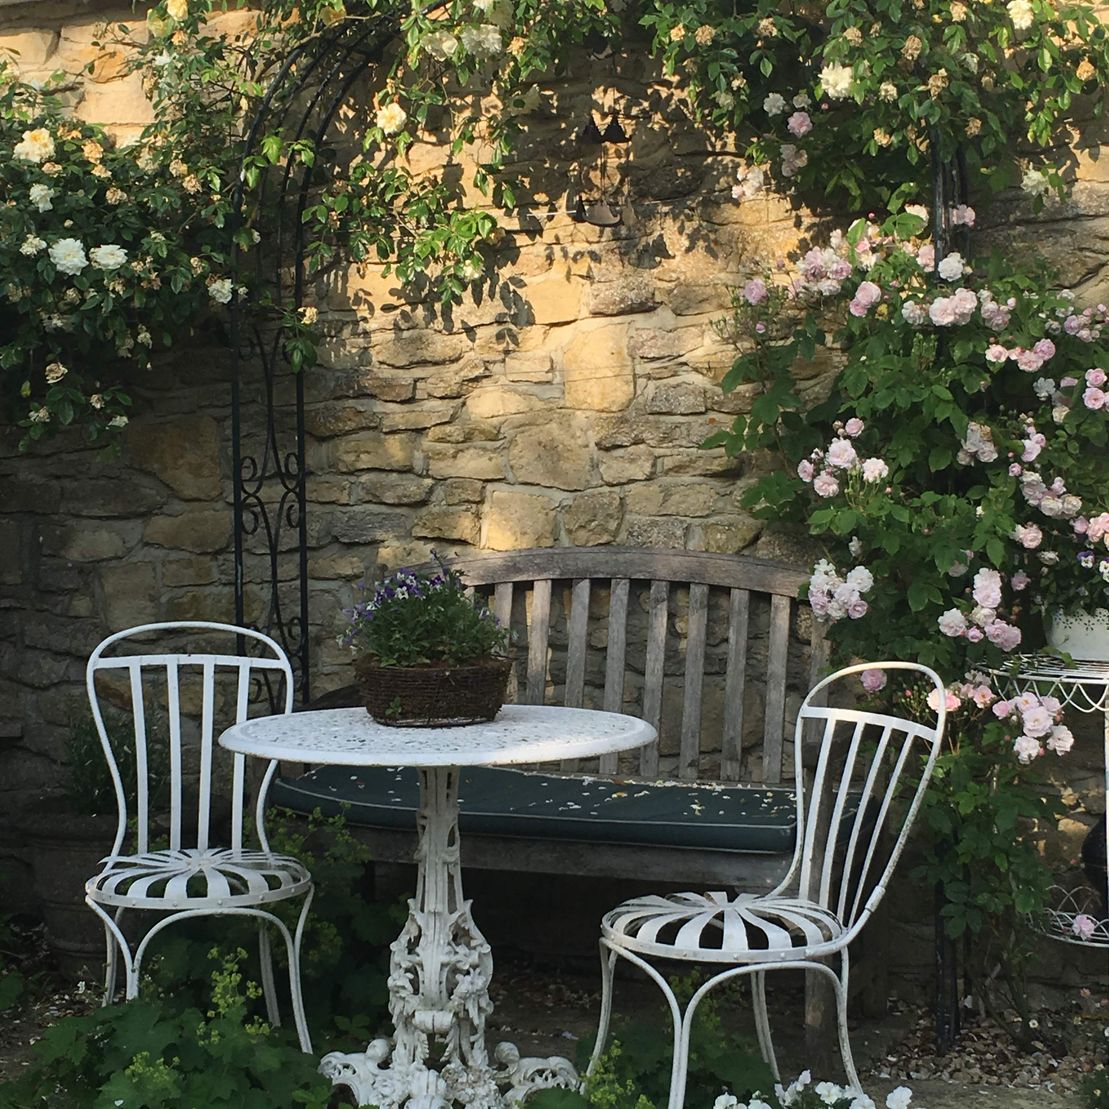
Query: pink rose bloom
(1004, 636)
(951, 702)
(1067, 382)
(819, 602)
(1026, 749)
(995, 352)
(942, 311)
(853, 428)
(841, 454)
(1002, 709)
(754, 292)
(1045, 348)
(1094, 398)
(825, 484)
(962, 215)
(1028, 536)
(874, 680)
(857, 608)
(875, 469)
(952, 623)
(1095, 377)
(926, 256)
(975, 635)
(1015, 469)
(987, 588)
(868, 293)
(1084, 926)
(857, 308)
(965, 303)
(1020, 580)
(799, 124)
(1029, 361)
(1032, 446)
(1037, 721)
(1061, 740)
(982, 696)
(804, 470)
(1098, 527)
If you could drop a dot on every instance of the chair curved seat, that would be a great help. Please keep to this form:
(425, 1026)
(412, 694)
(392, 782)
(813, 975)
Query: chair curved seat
(198, 879)
(723, 927)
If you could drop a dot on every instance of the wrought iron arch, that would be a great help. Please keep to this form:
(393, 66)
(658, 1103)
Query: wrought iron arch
(269, 472)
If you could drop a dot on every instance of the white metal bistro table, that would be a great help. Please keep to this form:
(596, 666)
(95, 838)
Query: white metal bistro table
(1084, 687)
(441, 965)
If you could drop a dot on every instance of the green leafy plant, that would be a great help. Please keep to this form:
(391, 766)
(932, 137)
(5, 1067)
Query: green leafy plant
(1095, 1088)
(418, 620)
(155, 1053)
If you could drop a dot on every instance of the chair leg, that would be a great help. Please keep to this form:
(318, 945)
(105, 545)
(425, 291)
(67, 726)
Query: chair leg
(115, 941)
(608, 964)
(265, 962)
(293, 944)
(840, 983)
(762, 1023)
(109, 966)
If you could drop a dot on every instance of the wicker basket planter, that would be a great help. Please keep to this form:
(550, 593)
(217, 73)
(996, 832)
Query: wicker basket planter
(433, 696)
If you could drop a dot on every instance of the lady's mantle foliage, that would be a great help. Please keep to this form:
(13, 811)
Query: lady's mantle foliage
(419, 620)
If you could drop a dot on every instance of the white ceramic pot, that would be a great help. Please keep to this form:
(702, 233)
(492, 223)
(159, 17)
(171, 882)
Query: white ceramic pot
(1082, 635)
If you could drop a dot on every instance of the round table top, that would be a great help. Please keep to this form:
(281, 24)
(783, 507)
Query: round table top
(519, 734)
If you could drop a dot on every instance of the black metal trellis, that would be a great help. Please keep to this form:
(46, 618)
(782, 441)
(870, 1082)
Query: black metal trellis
(269, 470)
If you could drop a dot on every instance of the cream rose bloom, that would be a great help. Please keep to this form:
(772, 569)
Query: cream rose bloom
(836, 80)
(177, 9)
(391, 118)
(108, 257)
(1020, 12)
(68, 255)
(55, 372)
(37, 146)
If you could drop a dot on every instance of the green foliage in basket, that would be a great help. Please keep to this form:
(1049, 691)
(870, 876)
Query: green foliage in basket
(418, 620)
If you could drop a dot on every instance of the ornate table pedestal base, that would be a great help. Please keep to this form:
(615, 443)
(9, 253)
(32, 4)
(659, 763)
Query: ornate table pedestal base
(439, 976)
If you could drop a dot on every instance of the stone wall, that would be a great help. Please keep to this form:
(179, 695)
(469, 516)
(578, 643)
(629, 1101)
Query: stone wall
(563, 404)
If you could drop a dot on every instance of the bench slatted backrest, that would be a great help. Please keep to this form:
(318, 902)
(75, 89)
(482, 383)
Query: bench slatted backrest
(573, 606)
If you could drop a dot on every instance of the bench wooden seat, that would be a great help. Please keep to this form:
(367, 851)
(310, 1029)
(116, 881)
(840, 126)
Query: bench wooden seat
(714, 650)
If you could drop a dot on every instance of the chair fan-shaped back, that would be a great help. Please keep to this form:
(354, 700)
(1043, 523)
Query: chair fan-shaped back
(179, 700)
(855, 813)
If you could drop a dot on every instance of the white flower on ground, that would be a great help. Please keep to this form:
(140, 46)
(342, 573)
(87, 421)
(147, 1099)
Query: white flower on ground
(36, 146)
(108, 257)
(32, 245)
(55, 372)
(726, 1101)
(41, 196)
(68, 255)
(220, 290)
(836, 80)
(1020, 12)
(391, 118)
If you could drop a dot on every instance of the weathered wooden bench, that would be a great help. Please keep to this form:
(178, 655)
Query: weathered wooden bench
(714, 650)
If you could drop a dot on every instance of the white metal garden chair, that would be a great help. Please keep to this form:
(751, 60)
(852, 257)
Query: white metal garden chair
(192, 876)
(870, 774)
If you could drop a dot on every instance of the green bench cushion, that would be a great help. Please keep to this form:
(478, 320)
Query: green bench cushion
(505, 802)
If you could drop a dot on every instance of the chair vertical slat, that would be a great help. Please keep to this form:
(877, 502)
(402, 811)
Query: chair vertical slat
(731, 741)
(576, 646)
(825, 839)
(810, 803)
(238, 772)
(777, 660)
(689, 751)
(207, 727)
(142, 790)
(654, 672)
(502, 603)
(616, 651)
(538, 636)
(858, 822)
(173, 700)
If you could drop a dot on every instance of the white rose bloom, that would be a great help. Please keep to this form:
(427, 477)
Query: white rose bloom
(177, 9)
(1020, 12)
(118, 421)
(440, 44)
(37, 146)
(41, 196)
(55, 372)
(68, 255)
(836, 80)
(1035, 182)
(774, 104)
(32, 245)
(483, 42)
(391, 118)
(220, 290)
(951, 268)
(108, 257)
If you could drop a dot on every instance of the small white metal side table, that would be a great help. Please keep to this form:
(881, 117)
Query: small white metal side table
(441, 965)
(1083, 687)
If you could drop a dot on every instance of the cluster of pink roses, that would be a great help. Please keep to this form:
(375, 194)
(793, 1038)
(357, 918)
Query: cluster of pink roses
(1038, 718)
(832, 597)
(820, 468)
(983, 622)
